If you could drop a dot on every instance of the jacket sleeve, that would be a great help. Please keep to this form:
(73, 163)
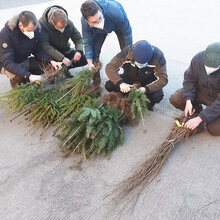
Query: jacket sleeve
(115, 64)
(77, 39)
(161, 74)
(88, 39)
(190, 81)
(47, 47)
(7, 56)
(38, 53)
(211, 112)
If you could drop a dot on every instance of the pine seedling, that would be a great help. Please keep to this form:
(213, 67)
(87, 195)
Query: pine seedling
(139, 103)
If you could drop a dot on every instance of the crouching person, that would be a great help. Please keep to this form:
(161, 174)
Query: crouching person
(56, 31)
(142, 63)
(20, 54)
(201, 85)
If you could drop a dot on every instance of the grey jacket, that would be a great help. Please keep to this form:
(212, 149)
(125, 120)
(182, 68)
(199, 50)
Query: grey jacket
(197, 80)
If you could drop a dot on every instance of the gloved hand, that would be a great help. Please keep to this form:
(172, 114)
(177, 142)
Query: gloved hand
(35, 78)
(142, 89)
(66, 61)
(124, 87)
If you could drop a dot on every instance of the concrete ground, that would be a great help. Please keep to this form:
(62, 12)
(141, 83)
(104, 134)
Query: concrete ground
(36, 182)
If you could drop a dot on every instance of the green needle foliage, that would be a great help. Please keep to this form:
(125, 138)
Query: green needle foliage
(78, 84)
(19, 97)
(92, 131)
(138, 101)
(74, 105)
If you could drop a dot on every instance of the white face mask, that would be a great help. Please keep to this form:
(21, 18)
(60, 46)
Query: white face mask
(139, 65)
(29, 34)
(100, 25)
(210, 70)
(60, 29)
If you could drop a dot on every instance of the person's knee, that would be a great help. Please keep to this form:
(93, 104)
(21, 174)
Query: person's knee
(213, 130)
(109, 86)
(156, 97)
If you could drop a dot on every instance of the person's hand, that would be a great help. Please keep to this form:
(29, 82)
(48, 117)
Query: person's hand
(66, 61)
(92, 67)
(188, 108)
(124, 87)
(55, 65)
(193, 123)
(77, 56)
(142, 89)
(35, 78)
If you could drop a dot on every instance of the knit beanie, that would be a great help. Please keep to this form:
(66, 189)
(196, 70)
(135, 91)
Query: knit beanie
(211, 55)
(142, 52)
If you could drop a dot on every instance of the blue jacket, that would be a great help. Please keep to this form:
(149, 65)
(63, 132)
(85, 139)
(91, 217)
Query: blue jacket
(115, 20)
(15, 48)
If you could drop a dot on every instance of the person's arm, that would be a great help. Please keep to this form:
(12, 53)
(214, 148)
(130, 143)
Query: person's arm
(76, 38)
(190, 81)
(7, 56)
(211, 112)
(88, 39)
(47, 47)
(161, 74)
(114, 65)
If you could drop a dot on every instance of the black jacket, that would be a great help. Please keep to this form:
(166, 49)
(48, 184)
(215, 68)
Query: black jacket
(15, 48)
(197, 80)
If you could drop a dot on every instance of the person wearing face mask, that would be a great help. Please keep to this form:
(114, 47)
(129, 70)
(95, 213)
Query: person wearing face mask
(56, 30)
(99, 18)
(20, 53)
(142, 64)
(201, 85)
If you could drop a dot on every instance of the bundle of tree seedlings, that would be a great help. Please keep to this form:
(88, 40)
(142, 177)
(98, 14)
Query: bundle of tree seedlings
(49, 106)
(145, 172)
(98, 128)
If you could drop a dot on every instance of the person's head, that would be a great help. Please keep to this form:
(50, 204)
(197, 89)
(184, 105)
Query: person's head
(92, 13)
(142, 53)
(27, 23)
(58, 18)
(211, 57)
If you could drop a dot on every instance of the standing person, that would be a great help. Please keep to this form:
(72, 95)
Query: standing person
(142, 63)
(56, 30)
(201, 85)
(99, 18)
(20, 53)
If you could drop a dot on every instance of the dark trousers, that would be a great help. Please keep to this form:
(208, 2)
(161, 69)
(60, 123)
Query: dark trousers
(31, 64)
(81, 62)
(177, 100)
(99, 40)
(154, 97)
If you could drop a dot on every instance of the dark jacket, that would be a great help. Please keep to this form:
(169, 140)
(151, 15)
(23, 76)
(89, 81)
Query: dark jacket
(55, 43)
(197, 80)
(115, 20)
(155, 73)
(15, 48)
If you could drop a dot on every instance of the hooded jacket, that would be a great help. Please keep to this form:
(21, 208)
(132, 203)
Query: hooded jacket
(15, 48)
(197, 80)
(155, 71)
(115, 20)
(55, 43)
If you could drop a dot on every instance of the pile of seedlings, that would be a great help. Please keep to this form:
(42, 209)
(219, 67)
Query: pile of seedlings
(98, 128)
(84, 123)
(145, 172)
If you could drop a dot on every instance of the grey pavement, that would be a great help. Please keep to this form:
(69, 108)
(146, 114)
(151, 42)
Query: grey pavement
(36, 182)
